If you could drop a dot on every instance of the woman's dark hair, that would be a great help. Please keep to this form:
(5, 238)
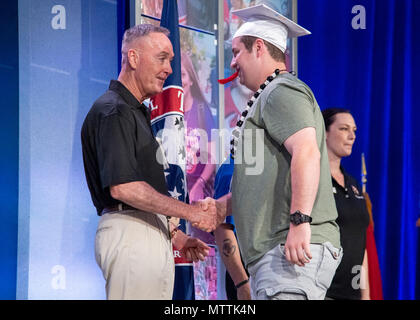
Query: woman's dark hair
(329, 115)
(187, 63)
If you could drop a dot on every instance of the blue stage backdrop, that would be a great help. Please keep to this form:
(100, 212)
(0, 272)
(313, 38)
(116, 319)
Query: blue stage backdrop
(363, 56)
(9, 135)
(67, 55)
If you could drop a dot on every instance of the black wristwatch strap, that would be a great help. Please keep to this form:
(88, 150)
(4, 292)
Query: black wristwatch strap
(298, 218)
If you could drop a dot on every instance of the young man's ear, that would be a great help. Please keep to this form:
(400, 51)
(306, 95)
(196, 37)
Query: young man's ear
(259, 46)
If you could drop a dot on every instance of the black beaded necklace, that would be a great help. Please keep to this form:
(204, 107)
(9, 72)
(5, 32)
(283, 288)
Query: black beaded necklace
(237, 131)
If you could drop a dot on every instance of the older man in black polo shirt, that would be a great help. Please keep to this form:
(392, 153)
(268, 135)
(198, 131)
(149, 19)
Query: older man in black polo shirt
(133, 243)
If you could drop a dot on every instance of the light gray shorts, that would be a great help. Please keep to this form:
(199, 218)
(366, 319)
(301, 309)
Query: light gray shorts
(274, 278)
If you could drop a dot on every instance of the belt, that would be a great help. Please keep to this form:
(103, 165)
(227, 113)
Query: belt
(118, 208)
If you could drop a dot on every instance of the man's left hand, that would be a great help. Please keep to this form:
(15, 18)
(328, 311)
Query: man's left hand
(297, 247)
(194, 249)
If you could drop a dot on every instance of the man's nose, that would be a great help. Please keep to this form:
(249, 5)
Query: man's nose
(233, 63)
(168, 68)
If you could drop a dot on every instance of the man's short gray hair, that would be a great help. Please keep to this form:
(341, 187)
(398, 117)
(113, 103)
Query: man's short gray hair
(136, 32)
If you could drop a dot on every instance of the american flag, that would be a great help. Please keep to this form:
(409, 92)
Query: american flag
(167, 118)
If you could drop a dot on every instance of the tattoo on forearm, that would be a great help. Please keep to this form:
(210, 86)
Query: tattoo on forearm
(228, 248)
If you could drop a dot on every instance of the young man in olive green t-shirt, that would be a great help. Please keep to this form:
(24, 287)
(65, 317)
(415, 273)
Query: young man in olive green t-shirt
(283, 206)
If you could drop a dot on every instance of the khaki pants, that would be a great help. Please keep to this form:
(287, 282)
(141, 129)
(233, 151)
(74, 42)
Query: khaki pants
(134, 252)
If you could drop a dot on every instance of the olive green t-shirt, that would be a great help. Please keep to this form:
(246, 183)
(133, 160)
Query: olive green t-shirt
(261, 185)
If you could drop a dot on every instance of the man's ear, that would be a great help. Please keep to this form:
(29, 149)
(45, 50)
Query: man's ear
(132, 58)
(259, 47)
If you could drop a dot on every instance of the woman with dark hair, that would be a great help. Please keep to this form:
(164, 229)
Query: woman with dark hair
(350, 280)
(199, 122)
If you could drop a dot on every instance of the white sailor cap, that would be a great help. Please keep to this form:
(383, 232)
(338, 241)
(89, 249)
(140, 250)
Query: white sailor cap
(265, 23)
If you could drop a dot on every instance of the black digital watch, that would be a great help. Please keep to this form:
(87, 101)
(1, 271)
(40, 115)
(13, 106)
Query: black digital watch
(298, 218)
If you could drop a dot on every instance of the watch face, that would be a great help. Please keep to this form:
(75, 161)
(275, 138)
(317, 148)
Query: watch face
(296, 219)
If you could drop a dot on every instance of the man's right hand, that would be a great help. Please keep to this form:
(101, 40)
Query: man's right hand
(206, 216)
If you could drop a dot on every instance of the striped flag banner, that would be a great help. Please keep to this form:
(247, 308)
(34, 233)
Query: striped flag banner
(167, 117)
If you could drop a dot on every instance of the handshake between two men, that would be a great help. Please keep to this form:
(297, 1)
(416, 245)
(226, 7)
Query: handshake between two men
(212, 213)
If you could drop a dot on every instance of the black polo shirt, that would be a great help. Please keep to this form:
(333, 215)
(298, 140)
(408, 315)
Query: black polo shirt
(118, 146)
(353, 220)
